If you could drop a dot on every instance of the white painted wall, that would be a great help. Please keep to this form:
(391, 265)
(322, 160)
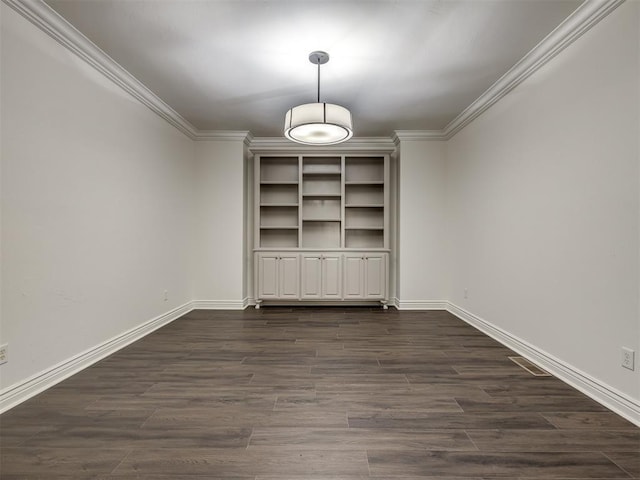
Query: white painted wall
(96, 206)
(543, 206)
(421, 260)
(220, 222)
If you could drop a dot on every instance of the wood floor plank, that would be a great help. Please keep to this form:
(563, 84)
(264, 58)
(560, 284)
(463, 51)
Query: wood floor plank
(367, 477)
(464, 421)
(531, 403)
(628, 461)
(153, 436)
(360, 439)
(49, 462)
(588, 420)
(371, 403)
(556, 440)
(547, 465)
(227, 462)
(247, 417)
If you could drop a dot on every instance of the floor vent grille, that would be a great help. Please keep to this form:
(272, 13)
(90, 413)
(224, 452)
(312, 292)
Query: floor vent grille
(532, 368)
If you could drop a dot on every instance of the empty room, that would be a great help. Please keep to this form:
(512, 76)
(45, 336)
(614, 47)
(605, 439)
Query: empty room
(320, 240)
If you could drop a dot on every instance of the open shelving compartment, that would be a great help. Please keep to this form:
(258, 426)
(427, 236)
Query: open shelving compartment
(321, 234)
(279, 194)
(321, 166)
(278, 202)
(364, 170)
(364, 202)
(321, 202)
(274, 170)
(279, 237)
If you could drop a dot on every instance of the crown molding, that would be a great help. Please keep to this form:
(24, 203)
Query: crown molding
(355, 144)
(572, 28)
(230, 135)
(404, 135)
(50, 22)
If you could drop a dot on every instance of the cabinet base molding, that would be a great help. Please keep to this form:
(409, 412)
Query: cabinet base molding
(220, 304)
(321, 303)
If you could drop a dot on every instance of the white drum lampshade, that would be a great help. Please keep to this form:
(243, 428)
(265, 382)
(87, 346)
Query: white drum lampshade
(318, 124)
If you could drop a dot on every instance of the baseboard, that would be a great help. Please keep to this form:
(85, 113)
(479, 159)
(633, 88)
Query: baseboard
(220, 304)
(419, 304)
(248, 302)
(602, 393)
(21, 391)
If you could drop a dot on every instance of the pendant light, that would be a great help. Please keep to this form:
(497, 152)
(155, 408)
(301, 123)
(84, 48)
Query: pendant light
(318, 123)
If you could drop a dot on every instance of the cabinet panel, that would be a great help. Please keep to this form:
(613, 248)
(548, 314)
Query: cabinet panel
(268, 276)
(289, 279)
(375, 276)
(353, 276)
(311, 276)
(332, 276)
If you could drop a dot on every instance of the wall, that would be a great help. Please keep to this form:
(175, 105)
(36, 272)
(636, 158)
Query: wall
(220, 221)
(96, 207)
(543, 208)
(421, 225)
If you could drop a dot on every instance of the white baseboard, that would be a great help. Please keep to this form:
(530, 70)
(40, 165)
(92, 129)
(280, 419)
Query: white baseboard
(248, 302)
(602, 393)
(220, 304)
(21, 391)
(419, 304)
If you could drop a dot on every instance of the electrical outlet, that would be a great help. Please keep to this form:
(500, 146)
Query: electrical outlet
(628, 358)
(466, 293)
(166, 295)
(4, 353)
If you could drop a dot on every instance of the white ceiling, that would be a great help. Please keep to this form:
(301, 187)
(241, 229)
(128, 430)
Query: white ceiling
(241, 64)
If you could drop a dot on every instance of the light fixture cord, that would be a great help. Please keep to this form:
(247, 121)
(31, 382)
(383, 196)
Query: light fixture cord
(318, 80)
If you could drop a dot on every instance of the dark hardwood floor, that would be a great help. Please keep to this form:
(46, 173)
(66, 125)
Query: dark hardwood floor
(311, 394)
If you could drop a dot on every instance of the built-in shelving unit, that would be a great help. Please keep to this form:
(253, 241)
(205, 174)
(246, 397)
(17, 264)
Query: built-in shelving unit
(316, 206)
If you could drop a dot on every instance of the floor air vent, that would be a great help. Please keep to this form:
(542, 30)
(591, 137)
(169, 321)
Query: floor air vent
(532, 368)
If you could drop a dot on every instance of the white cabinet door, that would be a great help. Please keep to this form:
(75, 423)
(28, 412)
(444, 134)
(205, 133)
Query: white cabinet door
(365, 276)
(321, 276)
(289, 277)
(278, 276)
(311, 276)
(268, 276)
(375, 276)
(332, 276)
(353, 276)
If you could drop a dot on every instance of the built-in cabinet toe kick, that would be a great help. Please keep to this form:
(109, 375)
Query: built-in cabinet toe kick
(321, 229)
